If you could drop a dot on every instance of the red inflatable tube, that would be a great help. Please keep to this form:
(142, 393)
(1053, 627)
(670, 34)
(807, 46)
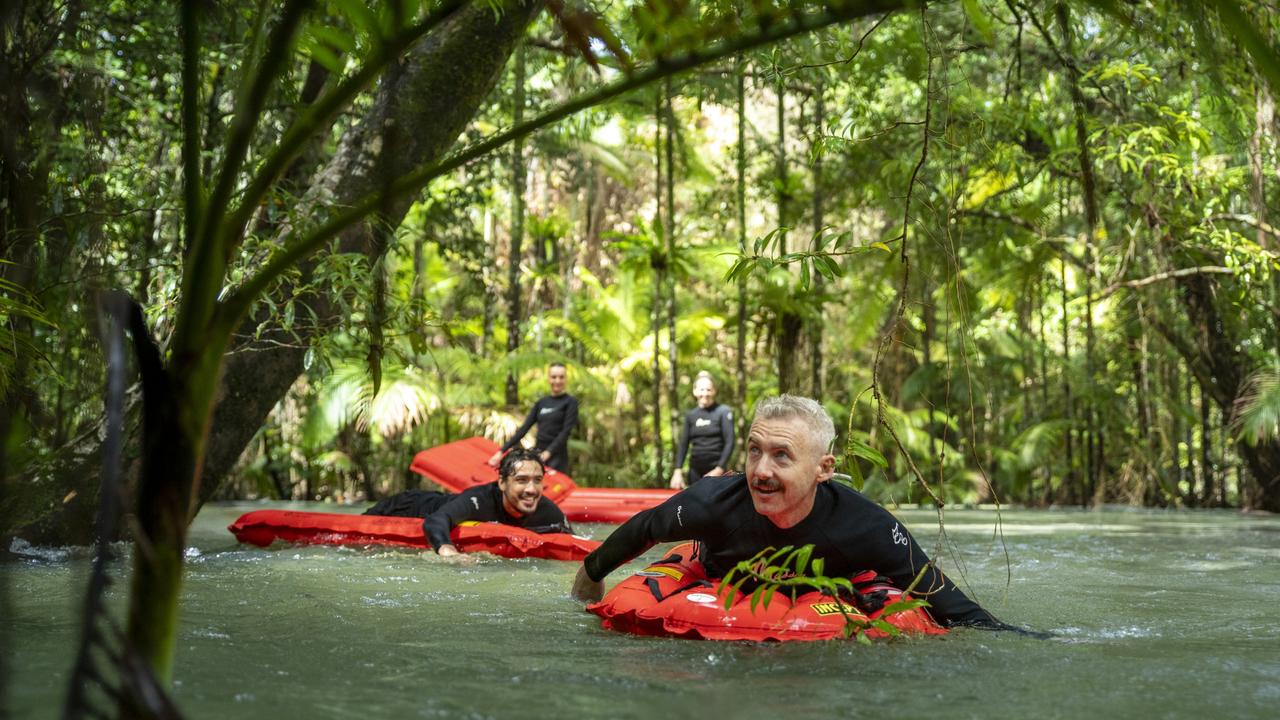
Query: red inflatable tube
(674, 598)
(263, 527)
(610, 505)
(464, 463)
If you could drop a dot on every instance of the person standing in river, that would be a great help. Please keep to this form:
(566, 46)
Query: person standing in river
(708, 428)
(556, 415)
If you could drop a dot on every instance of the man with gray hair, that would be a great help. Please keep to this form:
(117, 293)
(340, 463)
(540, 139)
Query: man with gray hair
(784, 499)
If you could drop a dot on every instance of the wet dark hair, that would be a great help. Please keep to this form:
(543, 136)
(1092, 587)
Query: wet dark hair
(516, 456)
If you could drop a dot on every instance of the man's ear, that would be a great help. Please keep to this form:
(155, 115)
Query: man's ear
(826, 467)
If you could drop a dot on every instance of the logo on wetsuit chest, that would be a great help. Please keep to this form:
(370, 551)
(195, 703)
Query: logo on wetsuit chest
(701, 422)
(544, 411)
(899, 538)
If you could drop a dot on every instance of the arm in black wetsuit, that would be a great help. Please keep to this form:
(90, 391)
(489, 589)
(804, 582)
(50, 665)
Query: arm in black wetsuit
(570, 420)
(891, 551)
(520, 431)
(471, 504)
(484, 504)
(681, 517)
(726, 438)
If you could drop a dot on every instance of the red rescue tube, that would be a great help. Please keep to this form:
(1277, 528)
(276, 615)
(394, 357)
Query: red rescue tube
(674, 598)
(610, 505)
(464, 464)
(263, 527)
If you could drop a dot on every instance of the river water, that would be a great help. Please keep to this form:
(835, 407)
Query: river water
(1156, 615)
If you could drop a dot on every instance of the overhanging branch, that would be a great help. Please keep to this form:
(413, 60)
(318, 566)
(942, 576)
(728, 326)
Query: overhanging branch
(238, 302)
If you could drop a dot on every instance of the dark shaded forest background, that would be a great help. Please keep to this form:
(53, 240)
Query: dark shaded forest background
(1023, 251)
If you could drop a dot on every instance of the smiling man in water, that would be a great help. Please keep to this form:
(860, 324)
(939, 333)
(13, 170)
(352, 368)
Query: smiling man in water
(785, 499)
(515, 499)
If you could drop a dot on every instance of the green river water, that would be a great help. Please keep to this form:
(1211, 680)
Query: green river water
(1157, 615)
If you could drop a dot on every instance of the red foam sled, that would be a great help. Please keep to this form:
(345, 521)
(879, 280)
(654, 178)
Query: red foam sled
(675, 598)
(611, 505)
(463, 464)
(263, 527)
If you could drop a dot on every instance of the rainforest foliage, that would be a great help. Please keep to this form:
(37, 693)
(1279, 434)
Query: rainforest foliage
(1023, 251)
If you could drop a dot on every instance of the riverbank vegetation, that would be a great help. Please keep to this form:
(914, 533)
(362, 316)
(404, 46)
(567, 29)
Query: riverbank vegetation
(1022, 251)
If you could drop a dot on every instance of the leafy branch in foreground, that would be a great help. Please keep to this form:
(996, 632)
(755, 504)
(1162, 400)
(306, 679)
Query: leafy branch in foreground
(795, 570)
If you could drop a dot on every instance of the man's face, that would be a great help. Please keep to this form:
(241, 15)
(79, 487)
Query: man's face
(784, 469)
(704, 391)
(522, 488)
(557, 377)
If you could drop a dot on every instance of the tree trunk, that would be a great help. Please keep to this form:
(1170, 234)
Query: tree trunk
(518, 171)
(1070, 479)
(817, 326)
(1093, 439)
(1207, 474)
(656, 264)
(741, 197)
(443, 81)
(788, 326)
(673, 347)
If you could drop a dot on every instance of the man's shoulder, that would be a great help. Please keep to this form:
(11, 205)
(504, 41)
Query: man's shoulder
(848, 503)
(482, 490)
(719, 488)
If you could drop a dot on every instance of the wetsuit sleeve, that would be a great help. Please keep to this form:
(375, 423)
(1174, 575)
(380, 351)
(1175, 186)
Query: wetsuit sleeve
(524, 428)
(462, 507)
(726, 439)
(570, 420)
(895, 554)
(682, 517)
(683, 447)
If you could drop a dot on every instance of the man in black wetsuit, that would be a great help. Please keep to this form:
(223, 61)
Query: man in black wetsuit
(785, 499)
(709, 429)
(555, 414)
(515, 499)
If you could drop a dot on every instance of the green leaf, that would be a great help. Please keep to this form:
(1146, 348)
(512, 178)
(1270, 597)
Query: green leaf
(980, 21)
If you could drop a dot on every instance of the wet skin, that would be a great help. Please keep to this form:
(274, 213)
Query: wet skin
(784, 469)
(522, 489)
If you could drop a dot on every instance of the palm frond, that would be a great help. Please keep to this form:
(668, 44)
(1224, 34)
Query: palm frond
(1257, 408)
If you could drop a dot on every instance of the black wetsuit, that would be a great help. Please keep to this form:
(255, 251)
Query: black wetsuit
(710, 431)
(482, 503)
(850, 532)
(555, 415)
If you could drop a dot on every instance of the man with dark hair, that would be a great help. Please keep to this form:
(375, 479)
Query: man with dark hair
(515, 499)
(556, 415)
(784, 499)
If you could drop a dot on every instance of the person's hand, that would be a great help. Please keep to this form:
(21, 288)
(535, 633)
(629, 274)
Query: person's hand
(494, 459)
(545, 455)
(677, 479)
(446, 550)
(715, 471)
(586, 589)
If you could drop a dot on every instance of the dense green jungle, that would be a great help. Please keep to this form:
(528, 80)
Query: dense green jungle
(1024, 251)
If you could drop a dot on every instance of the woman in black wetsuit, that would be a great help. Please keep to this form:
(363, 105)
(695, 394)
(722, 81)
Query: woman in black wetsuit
(709, 429)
